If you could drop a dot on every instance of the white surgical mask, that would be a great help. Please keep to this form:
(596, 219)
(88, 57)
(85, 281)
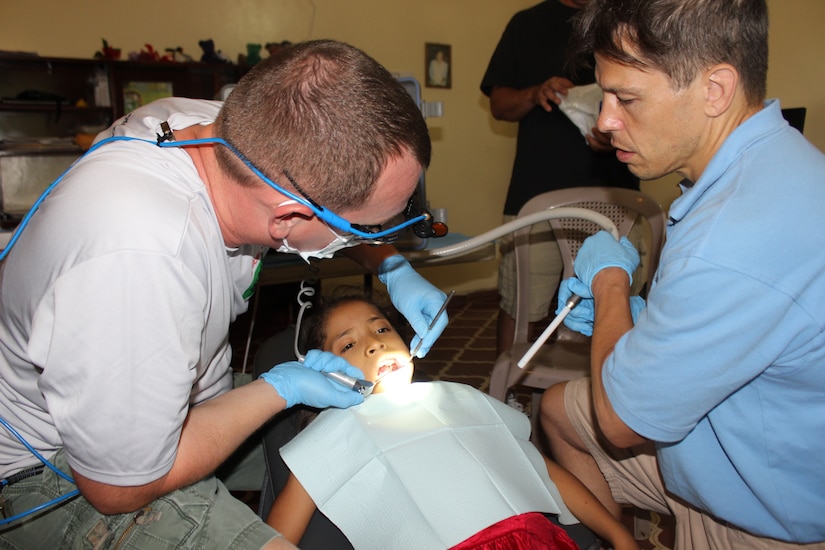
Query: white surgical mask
(339, 242)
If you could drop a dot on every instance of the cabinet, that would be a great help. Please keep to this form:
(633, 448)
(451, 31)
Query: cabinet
(196, 80)
(46, 102)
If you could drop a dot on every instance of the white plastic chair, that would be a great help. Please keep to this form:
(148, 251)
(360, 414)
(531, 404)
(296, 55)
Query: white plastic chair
(568, 356)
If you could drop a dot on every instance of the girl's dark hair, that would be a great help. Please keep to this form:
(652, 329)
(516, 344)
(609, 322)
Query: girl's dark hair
(313, 327)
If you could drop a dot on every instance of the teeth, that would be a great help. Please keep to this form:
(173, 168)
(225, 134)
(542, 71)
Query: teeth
(389, 366)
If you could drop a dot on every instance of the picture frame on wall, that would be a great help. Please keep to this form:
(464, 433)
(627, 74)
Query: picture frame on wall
(136, 94)
(438, 65)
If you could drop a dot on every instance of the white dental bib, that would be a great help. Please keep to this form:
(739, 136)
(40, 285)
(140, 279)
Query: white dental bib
(426, 466)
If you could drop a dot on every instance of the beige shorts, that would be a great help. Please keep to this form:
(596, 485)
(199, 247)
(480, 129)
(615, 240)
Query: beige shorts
(634, 478)
(202, 515)
(546, 266)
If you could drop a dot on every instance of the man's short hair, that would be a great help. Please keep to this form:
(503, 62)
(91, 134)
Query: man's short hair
(680, 37)
(328, 114)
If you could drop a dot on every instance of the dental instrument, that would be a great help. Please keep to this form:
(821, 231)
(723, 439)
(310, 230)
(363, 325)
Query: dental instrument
(432, 323)
(364, 387)
(569, 305)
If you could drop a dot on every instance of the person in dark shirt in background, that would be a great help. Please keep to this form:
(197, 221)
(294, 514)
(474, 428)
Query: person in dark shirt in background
(526, 79)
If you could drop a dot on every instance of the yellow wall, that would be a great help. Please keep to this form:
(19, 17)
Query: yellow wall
(472, 152)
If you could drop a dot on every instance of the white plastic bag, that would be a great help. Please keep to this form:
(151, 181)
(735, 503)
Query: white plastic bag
(581, 105)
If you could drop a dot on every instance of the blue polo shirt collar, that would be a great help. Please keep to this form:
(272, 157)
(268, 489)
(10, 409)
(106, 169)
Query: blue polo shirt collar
(761, 124)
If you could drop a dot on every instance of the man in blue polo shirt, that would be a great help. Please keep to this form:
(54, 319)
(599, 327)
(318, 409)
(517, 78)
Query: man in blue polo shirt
(708, 402)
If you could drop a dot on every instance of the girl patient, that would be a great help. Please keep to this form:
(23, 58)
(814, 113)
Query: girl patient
(355, 328)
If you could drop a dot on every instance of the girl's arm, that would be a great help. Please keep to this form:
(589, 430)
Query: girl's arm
(291, 511)
(587, 508)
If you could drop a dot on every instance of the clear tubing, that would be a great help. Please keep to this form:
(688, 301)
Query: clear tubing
(550, 214)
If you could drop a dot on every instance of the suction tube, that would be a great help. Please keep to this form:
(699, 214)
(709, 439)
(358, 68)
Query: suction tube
(549, 214)
(471, 244)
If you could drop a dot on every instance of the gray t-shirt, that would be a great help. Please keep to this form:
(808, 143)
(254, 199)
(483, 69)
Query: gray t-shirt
(117, 301)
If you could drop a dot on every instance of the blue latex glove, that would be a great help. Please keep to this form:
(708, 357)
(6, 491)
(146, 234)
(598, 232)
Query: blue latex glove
(600, 251)
(416, 298)
(581, 317)
(303, 382)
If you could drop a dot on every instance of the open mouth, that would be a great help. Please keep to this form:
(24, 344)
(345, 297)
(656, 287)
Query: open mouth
(390, 365)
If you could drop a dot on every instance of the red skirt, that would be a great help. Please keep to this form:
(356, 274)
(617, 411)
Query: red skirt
(531, 531)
